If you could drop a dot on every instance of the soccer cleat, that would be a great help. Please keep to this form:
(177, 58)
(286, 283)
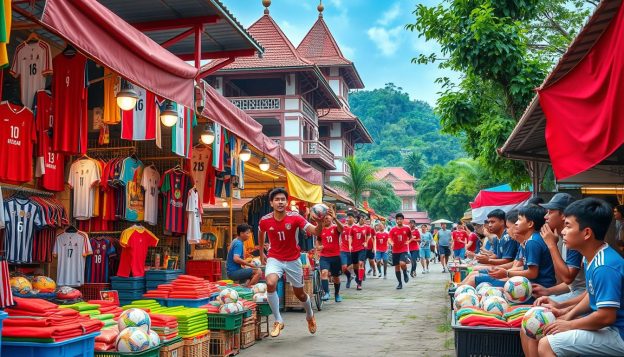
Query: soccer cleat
(359, 287)
(405, 276)
(338, 298)
(399, 287)
(424, 271)
(277, 328)
(374, 272)
(348, 283)
(312, 325)
(325, 297)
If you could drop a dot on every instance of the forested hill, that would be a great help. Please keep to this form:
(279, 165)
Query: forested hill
(406, 132)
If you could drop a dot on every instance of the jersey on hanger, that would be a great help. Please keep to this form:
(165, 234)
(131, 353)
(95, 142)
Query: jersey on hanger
(140, 122)
(22, 218)
(203, 173)
(194, 210)
(83, 175)
(96, 269)
(31, 63)
(17, 137)
(174, 187)
(182, 132)
(130, 177)
(111, 113)
(135, 242)
(150, 182)
(50, 165)
(71, 250)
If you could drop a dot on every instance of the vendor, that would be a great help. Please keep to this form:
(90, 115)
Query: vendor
(236, 259)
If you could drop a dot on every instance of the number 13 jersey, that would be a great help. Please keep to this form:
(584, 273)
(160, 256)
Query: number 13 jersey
(283, 235)
(71, 249)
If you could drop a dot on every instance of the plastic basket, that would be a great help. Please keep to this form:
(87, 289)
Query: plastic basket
(264, 309)
(197, 346)
(82, 346)
(121, 283)
(247, 314)
(227, 322)
(476, 341)
(174, 348)
(224, 343)
(248, 335)
(184, 302)
(92, 291)
(152, 352)
(130, 294)
(165, 275)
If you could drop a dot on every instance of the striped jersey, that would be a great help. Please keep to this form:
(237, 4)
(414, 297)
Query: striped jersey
(71, 249)
(31, 63)
(174, 187)
(22, 218)
(96, 269)
(140, 122)
(182, 132)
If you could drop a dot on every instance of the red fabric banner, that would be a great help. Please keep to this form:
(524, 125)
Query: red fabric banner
(583, 109)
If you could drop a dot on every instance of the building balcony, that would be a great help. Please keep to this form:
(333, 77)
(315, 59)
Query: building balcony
(317, 151)
(276, 104)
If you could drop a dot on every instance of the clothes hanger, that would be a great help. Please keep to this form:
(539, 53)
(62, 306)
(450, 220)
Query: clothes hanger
(71, 229)
(32, 37)
(69, 50)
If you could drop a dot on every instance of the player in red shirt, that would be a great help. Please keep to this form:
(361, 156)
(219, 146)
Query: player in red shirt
(399, 237)
(345, 248)
(282, 228)
(370, 249)
(460, 237)
(414, 247)
(329, 245)
(357, 242)
(381, 247)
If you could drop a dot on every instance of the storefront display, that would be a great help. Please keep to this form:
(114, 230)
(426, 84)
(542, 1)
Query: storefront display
(17, 138)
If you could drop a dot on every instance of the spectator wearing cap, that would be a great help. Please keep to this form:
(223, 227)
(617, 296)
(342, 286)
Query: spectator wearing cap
(568, 263)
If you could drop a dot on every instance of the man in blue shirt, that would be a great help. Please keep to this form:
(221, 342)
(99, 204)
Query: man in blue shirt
(425, 248)
(595, 325)
(236, 259)
(444, 245)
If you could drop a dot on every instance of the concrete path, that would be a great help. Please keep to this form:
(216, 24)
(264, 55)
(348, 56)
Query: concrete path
(377, 321)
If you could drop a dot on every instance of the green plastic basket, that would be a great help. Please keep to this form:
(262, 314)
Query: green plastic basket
(246, 295)
(152, 352)
(247, 314)
(264, 309)
(227, 322)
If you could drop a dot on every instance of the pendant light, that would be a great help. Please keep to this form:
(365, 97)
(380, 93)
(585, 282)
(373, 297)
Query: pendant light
(264, 164)
(169, 116)
(127, 97)
(224, 203)
(245, 153)
(208, 136)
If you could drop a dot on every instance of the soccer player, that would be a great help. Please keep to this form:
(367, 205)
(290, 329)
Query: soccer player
(444, 245)
(399, 236)
(236, 259)
(460, 237)
(345, 248)
(329, 246)
(381, 246)
(282, 227)
(357, 240)
(425, 248)
(414, 247)
(595, 326)
(370, 248)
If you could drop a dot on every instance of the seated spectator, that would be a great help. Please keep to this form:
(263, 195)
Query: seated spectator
(236, 259)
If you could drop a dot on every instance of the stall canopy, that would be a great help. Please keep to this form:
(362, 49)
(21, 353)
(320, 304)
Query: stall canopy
(105, 37)
(487, 201)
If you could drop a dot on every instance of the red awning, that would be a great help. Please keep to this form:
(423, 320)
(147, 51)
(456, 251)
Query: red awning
(583, 109)
(108, 39)
(222, 111)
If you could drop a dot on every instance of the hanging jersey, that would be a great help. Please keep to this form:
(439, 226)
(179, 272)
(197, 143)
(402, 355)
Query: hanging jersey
(140, 122)
(111, 113)
(17, 135)
(200, 166)
(71, 250)
(130, 177)
(174, 187)
(135, 242)
(194, 211)
(31, 63)
(182, 134)
(283, 235)
(96, 268)
(50, 165)
(149, 182)
(83, 174)
(22, 218)
(1, 210)
(70, 104)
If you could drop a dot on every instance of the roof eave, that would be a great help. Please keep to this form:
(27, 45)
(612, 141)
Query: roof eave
(236, 25)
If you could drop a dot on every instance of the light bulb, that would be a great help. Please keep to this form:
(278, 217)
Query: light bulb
(126, 103)
(264, 164)
(245, 153)
(169, 116)
(127, 97)
(224, 203)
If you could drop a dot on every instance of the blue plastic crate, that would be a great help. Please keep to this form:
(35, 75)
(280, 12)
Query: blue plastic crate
(82, 346)
(186, 302)
(162, 274)
(120, 283)
(134, 295)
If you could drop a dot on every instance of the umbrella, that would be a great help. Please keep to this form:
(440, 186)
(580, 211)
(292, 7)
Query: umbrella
(440, 221)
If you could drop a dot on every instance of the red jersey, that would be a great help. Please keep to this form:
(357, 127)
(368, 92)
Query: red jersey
(382, 241)
(50, 165)
(175, 186)
(459, 239)
(473, 237)
(69, 86)
(135, 242)
(371, 237)
(358, 238)
(400, 236)
(344, 239)
(17, 135)
(283, 235)
(330, 238)
(415, 245)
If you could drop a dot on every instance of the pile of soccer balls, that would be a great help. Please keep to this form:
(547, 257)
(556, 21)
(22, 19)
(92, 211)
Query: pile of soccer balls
(37, 285)
(227, 302)
(134, 332)
(260, 293)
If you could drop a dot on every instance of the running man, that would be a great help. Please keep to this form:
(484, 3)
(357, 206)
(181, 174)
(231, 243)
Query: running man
(414, 247)
(329, 246)
(425, 248)
(381, 246)
(399, 236)
(370, 248)
(282, 227)
(345, 250)
(357, 240)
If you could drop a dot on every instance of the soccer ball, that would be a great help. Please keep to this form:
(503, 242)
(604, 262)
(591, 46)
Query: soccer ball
(518, 289)
(260, 288)
(491, 291)
(68, 293)
(495, 304)
(134, 318)
(229, 308)
(256, 262)
(466, 300)
(483, 286)
(132, 339)
(43, 284)
(227, 296)
(319, 211)
(260, 297)
(154, 339)
(465, 289)
(535, 320)
(240, 306)
(20, 285)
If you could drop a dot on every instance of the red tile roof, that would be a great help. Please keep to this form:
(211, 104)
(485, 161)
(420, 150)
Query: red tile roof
(397, 172)
(419, 217)
(343, 114)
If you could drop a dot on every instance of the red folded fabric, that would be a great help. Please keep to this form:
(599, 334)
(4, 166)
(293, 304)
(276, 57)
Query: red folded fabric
(108, 335)
(53, 320)
(34, 305)
(58, 333)
(60, 312)
(475, 320)
(101, 346)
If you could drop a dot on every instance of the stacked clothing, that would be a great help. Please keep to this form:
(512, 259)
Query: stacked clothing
(36, 320)
(514, 314)
(192, 322)
(107, 307)
(184, 287)
(146, 305)
(83, 308)
(165, 326)
(106, 339)
(472, 316)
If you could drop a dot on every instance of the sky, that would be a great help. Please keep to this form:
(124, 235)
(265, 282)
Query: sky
(370, 33)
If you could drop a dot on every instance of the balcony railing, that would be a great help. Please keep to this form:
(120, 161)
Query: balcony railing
(253, 103)
(316, 150)
(308, 111)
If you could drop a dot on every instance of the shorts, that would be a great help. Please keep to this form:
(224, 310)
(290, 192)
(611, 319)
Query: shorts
(604, 342)
(425, 253)
(484, 278)
(397, 258)
(381, 256)
(292, 269)
(345, 258)
(240, 274)
(415, 255)
(566, 296)
(444, 250)
(333, 264)
(370, 254)
(359, 256)
(460, 253)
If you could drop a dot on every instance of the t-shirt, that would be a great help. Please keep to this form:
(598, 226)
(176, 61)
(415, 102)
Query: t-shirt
(237, 248)
(444, 237)
(426, 240)
(382, 241)
(415, 245)
(507, 247)
(31, 63)
(182, 132)
(400, 236)
(537, 254)
(474, 239)
(283, 235)
(200, 167)
(17, 137)
(371, 237)
(97, 263)
(50, 165)
(459, 239)
(22, 218)
(194, 211)
(131, 177)
(344, 239)
(174, 186)
(330, 239)
(135, 242)
(140, 122)
(111, 112)
(605, 283)
(83, 175)
(71, 249)
(358, 237)
(573, 259)
(150, 181)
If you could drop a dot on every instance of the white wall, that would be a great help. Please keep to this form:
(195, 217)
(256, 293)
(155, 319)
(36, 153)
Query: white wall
(291, 104)
(335, 86)
(291, 88)
(335, 130)
(292, 146)
(335, 145)
(291, 127)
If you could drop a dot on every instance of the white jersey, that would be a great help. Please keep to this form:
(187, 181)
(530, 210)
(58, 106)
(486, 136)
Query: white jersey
(22, 218)
(194, 211)
(71, 249)
(200, 162)
(83, 175)
(31, 62)
(150, 183)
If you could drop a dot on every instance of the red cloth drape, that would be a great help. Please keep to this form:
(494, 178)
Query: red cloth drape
(584, 111)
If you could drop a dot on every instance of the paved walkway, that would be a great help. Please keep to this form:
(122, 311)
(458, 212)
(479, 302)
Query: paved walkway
(377, 321)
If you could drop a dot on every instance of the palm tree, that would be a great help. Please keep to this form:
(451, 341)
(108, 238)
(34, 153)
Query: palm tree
(360, 178)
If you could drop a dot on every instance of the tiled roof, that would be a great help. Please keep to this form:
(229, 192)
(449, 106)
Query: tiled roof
(401, 186)
(343, 114)
(397, 172)
(419, 217)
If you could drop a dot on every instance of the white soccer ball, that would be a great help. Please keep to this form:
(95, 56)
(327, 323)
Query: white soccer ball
(466, 300)
(535, 320)
(465, 289)
(481, 287)
(134, 318)
(154, 339)
(495, 304)
(260, 297)
(491, 291)
(260, 288)
(518, 289)
(319, 211)
(227, 296)
(228, 308)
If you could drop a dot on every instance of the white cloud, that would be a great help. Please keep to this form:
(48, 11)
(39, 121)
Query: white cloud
(348, 52)
(294, 33)
(390, 15)
(386, 40)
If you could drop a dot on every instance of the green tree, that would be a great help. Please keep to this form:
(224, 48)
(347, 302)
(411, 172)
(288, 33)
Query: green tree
(383, 200)
(360, 177)
(414, 164)
(503, 49)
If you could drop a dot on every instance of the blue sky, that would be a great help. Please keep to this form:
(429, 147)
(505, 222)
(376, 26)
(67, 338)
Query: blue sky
(369, 33)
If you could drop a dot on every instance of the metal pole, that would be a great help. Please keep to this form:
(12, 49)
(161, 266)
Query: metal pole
(231, 220)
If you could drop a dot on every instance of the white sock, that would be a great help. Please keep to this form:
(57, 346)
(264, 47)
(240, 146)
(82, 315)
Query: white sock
(274, 303)
(307, 305)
